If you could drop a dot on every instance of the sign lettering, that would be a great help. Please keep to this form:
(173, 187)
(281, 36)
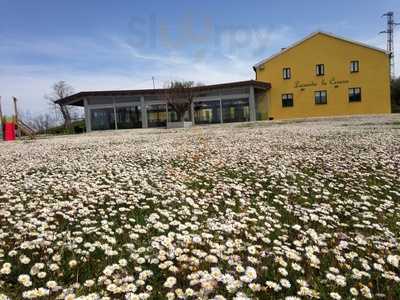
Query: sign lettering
(332, 81)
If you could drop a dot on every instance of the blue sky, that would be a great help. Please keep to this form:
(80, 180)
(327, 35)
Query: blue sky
(100, 45)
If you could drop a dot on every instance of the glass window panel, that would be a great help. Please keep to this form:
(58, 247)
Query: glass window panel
(207, 93)
(287, 100)
(173, 116)
(207, 112)
(354, 66)
(126, 99)
(231, 91)
(354, 94)
(320, 70)
(235, 110)
(157, 115)
(286, 73)
(129, 117)
(100, 100)
(102, 118)
(320, 97)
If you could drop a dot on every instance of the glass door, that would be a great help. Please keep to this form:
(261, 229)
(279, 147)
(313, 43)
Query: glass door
(102, 118)
(207, 112)
(129, 117)
(157, 115)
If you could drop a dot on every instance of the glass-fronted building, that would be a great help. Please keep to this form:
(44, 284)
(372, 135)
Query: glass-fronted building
(212, 104)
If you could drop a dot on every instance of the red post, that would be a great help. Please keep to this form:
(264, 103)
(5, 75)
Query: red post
(1, 112)
(9, 131)
(1, 123)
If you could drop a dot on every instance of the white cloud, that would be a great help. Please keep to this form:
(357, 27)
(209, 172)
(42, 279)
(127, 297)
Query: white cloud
(111, 63)
(31, 85)
(254, 41)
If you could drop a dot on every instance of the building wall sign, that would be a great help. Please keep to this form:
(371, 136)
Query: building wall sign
(323, 82)
(299, 84)
(333, 81)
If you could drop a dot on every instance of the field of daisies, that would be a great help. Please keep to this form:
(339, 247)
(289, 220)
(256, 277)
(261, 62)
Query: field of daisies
(301, 210)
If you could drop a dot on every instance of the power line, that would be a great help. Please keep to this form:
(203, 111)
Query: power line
(391, 24)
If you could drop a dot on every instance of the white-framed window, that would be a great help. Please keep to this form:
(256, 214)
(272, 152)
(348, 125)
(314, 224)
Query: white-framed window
(287, 73)
(321, 97)
(355, 94)
(320, 70)
(287, 100)
(354, 66)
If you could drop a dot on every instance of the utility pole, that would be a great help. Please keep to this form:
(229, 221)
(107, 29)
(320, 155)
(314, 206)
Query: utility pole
(154, 85)
(16, 117)
(391, 24)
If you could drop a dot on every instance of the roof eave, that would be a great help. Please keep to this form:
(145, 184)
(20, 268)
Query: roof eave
(259, 64)
(73, 99)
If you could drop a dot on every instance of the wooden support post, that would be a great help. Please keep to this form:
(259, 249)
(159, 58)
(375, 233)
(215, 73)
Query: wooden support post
(16, 117)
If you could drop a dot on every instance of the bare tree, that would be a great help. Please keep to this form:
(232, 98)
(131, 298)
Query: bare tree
(179, 95)
(39, 123)
(42, 123)
(60, 90)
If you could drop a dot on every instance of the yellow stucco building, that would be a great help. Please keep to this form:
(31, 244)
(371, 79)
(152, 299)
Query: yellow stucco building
(324, 75)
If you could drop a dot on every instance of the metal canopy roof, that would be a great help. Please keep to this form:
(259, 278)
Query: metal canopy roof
(77, 99)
